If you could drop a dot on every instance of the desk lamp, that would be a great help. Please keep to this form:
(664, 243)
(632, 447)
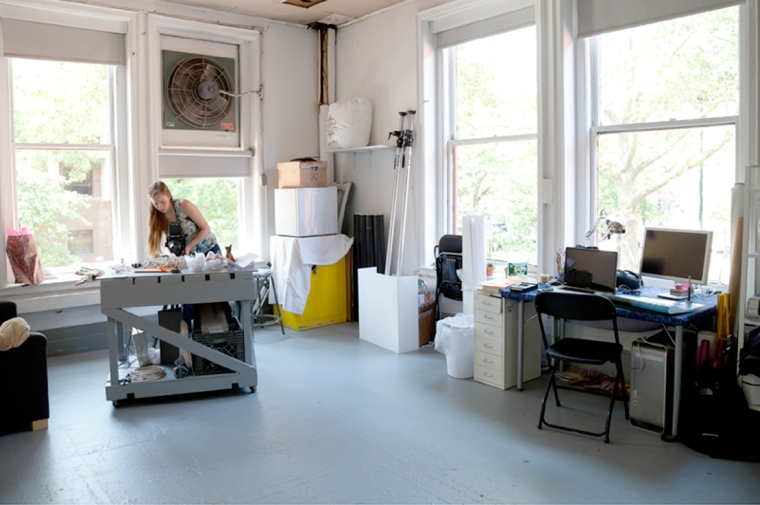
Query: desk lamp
(612, 227)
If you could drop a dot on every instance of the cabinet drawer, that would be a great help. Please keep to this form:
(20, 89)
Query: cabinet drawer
(489, 331)
(495, 347)
(489, 376)
(489, 360)
(488, 303)
(492, 318)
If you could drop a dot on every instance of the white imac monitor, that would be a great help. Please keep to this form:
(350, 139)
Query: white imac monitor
(678, 255)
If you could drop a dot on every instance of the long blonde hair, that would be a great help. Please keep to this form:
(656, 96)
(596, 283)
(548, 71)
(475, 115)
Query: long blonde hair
(158, 224)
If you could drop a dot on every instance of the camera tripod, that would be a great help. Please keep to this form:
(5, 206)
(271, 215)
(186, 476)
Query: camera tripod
(403, 161)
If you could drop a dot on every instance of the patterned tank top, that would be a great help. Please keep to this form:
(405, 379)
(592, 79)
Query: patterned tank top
(190, 229)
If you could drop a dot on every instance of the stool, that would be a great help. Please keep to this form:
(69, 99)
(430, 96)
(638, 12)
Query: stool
(264, 283)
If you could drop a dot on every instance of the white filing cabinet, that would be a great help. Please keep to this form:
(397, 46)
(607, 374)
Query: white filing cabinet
(496, 342)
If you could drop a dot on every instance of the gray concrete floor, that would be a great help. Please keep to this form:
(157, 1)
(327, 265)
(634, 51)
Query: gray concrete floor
(338, 420)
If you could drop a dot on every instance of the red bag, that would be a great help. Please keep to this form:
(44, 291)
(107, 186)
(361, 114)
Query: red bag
(22, 253)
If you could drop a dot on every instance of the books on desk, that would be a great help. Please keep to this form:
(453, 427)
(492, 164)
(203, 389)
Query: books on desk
(654, 304)
(494, 286)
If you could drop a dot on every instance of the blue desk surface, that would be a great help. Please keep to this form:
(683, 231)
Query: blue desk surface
(710, 305)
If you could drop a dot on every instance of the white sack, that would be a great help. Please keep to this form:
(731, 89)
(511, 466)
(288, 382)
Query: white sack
(349, 123)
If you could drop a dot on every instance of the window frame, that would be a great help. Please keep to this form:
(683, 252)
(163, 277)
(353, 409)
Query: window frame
(595, 130)
(109, 148)
(446, 85)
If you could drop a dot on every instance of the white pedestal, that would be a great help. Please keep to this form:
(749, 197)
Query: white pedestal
(388, 310)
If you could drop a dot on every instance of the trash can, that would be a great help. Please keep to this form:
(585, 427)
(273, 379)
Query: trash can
(455, 337)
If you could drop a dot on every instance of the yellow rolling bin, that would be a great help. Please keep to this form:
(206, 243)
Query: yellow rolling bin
(326, 303)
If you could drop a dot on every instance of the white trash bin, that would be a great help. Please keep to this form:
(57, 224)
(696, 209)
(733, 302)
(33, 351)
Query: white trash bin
(455, 337)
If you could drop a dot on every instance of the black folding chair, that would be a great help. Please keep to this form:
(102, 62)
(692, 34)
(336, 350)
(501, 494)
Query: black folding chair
(581, 307)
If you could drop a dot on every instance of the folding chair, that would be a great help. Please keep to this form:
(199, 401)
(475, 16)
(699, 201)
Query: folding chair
(581, 307)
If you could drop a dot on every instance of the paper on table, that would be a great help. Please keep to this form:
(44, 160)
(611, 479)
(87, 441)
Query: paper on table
(243, 262)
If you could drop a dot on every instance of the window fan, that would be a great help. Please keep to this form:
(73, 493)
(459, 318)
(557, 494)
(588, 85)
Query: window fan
(199, 91)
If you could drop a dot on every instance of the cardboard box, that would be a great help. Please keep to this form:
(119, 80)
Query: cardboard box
(302, 174)
(427, 322)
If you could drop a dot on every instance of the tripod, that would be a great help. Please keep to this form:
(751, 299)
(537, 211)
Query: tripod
(403, 160)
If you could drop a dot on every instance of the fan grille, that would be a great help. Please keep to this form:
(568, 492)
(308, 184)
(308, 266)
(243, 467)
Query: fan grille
(186, 78)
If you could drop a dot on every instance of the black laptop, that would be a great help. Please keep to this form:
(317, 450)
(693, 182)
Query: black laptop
(590, 270)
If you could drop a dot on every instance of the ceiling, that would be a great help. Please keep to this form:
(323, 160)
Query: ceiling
(334, 12)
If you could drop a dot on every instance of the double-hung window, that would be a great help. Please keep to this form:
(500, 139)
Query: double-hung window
(489, 89)
(62, 174)
(665, 105)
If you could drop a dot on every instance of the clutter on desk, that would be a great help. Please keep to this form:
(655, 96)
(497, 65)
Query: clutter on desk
(495, 286)
(679, 290)
(523, 286)
(163, 263)
(204, 263)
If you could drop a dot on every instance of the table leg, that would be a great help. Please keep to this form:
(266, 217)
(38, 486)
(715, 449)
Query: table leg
(113, 350)
(677, 371)
(520, 342)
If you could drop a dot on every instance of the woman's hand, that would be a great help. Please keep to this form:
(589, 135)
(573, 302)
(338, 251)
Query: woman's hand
(188, 250)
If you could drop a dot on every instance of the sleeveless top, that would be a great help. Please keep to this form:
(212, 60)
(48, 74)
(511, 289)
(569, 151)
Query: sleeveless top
(190, 229)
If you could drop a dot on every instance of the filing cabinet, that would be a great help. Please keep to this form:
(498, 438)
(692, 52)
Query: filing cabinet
(496, 342)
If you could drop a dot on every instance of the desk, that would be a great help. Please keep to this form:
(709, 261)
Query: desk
(146, 290)
(676, 320)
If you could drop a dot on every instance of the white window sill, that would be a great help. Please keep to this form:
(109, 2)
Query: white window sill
(56, 293)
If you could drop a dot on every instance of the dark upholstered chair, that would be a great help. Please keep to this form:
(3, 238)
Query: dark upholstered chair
(578, 307)
(23, 375)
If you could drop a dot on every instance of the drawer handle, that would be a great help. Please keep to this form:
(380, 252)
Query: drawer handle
(486, 374)
(487, 346)
(488, 361)
(486, 316)
(487, 331)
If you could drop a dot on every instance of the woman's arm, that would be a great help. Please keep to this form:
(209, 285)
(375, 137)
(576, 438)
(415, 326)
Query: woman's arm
(203, 227)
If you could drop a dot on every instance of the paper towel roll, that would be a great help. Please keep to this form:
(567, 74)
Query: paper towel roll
(473, 259)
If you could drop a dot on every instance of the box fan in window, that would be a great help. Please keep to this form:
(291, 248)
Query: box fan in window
(199, 85)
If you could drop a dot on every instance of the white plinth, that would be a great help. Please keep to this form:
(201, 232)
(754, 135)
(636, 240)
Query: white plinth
(388, 310)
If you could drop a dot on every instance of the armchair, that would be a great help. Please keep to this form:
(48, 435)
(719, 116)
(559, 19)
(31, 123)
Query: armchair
(23, 374)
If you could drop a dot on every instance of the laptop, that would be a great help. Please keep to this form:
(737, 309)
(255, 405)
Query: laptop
(590, 270)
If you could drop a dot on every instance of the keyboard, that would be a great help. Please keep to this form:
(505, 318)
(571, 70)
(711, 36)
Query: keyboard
(654, 304)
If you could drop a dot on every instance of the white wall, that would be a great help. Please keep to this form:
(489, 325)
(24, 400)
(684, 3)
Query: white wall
(376, 59)
(289, 117)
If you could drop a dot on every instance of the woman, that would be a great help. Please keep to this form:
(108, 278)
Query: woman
(164, 210)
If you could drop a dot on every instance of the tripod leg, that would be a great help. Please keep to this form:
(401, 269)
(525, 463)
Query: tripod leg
(397, 162)
(408, 141)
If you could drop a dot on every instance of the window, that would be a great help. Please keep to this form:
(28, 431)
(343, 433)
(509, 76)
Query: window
(493, 142)
(218, 200)
(664, 131)
(62, 121)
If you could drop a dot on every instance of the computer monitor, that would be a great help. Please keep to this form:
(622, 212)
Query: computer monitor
(678, 255)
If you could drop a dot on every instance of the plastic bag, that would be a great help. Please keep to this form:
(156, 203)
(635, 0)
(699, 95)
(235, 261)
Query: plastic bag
(455, 337)
(23, 256)
(349, 124)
